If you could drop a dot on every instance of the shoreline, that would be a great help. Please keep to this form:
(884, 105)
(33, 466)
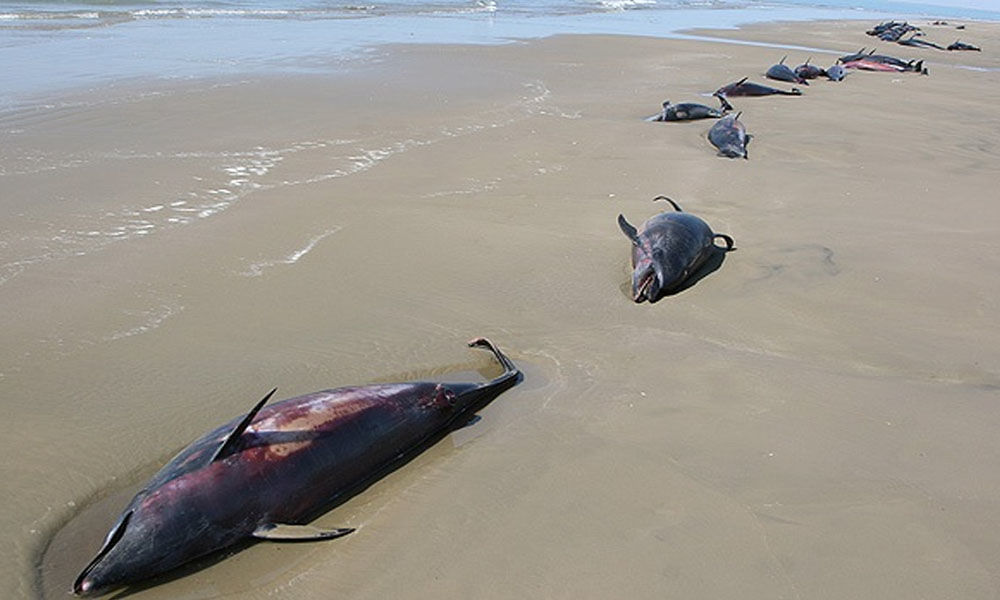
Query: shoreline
(145, 50)
(814, 418)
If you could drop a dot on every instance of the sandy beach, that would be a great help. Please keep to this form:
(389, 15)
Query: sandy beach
(816, 418)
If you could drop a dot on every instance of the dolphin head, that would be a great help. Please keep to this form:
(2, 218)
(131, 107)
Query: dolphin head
(647, 278)
(160, 529)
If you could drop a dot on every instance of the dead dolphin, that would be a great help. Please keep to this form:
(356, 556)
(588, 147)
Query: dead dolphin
(730, 136)
(266, 474)
(963, 46)
(749, 88)
(783, 72)
(868, 64)
(689, 111)
(668, 250)
(860, 58)
(836, 73)
(913, 41)
(855, 56)
(808, 71)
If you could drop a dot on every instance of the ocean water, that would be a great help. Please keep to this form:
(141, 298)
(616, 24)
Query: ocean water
(49, 46)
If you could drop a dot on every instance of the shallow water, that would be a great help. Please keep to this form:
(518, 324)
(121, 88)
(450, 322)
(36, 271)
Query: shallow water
(51, 47)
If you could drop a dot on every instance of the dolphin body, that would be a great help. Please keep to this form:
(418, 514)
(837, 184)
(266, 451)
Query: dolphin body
(689, 111)
(783, 72)
(749, 88)
(668, 250)
(808, 71)
(730, 137)
(266, 474)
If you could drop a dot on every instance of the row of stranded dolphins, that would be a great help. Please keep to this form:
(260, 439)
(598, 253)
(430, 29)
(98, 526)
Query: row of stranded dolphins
(266, 474)
(893, 31)
(729, 135)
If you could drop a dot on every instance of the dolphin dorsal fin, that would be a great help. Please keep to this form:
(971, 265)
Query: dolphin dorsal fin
(782, 61)
(229, 445)
(672, 203)
(629, 230)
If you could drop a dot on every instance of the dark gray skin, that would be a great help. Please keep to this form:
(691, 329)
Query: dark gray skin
(730, 137)
(963, 46)
(689, 111)
(808, 71)
(857, 55)
(919, 43)
(836, 73)
(749, 88)
(783, 72)
(265, 474)
(668, 250)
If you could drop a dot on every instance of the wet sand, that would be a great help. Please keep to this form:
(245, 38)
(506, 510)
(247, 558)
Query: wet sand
(816, 418)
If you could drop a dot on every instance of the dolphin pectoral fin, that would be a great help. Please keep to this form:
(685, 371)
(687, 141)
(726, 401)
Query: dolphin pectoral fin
(730, 244)
(280, 532)
(628, 230)
(232, 440)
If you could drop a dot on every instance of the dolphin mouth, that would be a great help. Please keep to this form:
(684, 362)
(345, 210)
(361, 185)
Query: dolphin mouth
(641, 292)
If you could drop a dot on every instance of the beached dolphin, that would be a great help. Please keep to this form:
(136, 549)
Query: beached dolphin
(868, 64)
(912, 41)
(730, 137)
(963, 46)
(668, 250)
(268, 473)
(808, 71)
(836, 73)
(866, 59)
(749, 88)
(688, 111)
(855, 56)
(783, 72)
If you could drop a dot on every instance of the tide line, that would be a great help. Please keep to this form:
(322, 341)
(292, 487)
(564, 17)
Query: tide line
(257, 268)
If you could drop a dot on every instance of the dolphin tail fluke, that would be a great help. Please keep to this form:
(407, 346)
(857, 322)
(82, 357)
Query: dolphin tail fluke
(472, 397)
(509, 368)
(726, 106)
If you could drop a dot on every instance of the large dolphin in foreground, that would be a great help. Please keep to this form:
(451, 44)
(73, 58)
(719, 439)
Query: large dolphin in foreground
(268, 473)
(668, 250)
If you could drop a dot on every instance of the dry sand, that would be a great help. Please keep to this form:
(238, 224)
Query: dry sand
(817, 418)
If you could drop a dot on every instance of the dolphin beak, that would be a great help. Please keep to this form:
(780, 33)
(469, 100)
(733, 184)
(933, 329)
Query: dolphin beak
(647, 284)
(83, 586)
